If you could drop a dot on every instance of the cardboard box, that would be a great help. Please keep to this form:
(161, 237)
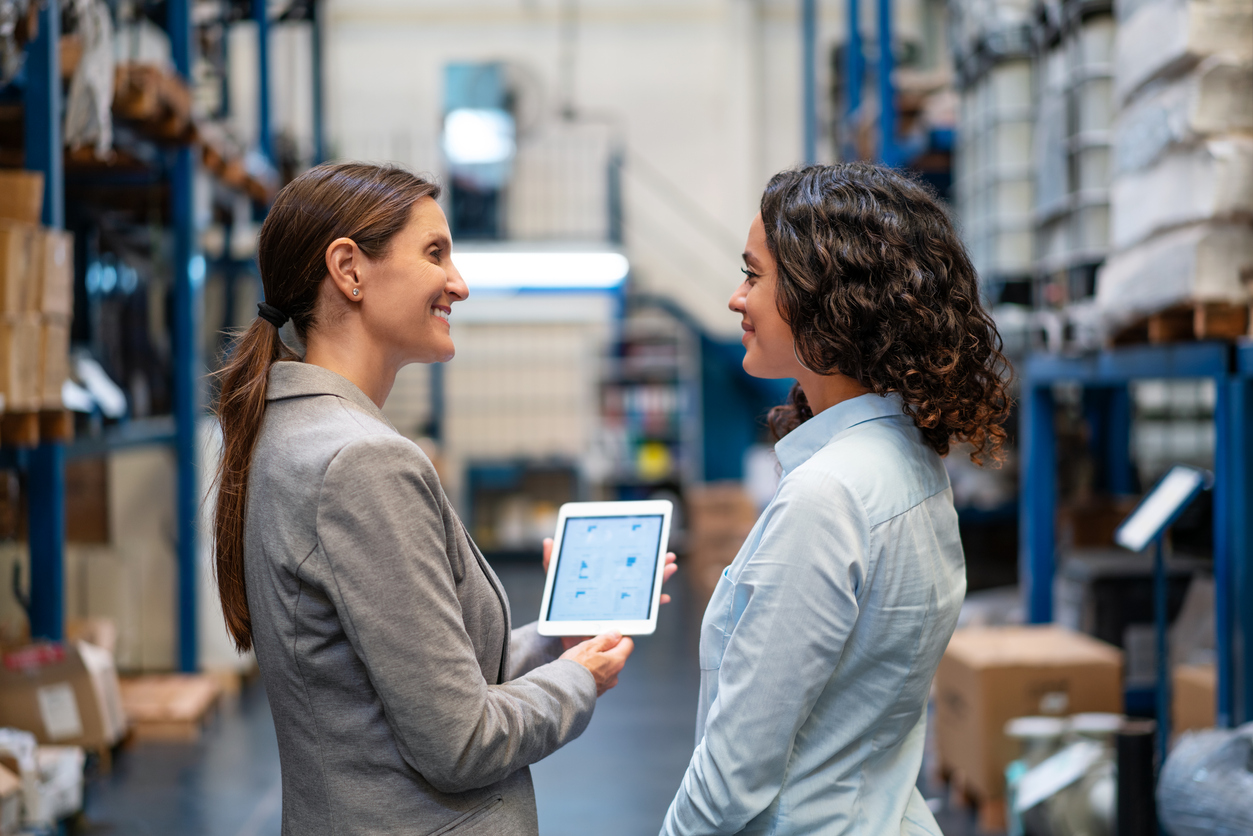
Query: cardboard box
(20, 347)
(989, 675)
(1091, 523)
(720, 516)
(62, 694)
(54, 273)
(21, 195)
(87, 507)
(54, 359)
(18, 262)
(1193, 698)
(717, 505)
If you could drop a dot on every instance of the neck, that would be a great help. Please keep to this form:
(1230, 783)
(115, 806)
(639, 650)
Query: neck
(824, 391)
(351, 356)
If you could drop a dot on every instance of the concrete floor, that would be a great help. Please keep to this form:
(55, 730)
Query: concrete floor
(615, 780)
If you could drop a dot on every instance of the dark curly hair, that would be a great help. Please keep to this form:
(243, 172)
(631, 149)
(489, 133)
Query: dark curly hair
(875, 284)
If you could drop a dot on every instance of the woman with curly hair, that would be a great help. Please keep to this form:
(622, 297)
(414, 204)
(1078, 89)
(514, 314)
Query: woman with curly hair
(819, 644)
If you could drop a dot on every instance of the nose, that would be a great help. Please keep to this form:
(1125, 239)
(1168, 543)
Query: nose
(736, 303)
(454, 285)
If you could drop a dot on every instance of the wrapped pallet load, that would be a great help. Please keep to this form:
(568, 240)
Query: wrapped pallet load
(1182, 195)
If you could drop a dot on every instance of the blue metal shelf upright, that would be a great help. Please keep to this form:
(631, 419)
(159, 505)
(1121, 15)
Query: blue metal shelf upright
(46, 463)
(1104, 377)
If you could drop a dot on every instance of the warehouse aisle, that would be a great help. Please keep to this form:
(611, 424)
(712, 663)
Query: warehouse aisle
(616, 780)
(619, 777)
(227, 784)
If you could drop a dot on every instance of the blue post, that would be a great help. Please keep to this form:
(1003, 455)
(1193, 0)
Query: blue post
(809, 74)
(853, 76)
(42, 118)
(265, 138)
(1240, 486)
(46, 467)
(188, 275)
(1163, 648)
(1038, 499)
(319, 90)
(1233, 549)
(888, 154)
(1225, 438)
(1108, 413)
(46, 518)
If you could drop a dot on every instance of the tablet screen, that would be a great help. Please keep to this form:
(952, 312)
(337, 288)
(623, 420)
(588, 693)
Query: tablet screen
(606, 568)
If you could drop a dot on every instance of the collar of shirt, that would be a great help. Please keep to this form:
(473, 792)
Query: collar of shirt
(800, 444)
(294, 379)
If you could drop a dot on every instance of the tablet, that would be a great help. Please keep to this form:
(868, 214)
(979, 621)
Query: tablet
(606, 569)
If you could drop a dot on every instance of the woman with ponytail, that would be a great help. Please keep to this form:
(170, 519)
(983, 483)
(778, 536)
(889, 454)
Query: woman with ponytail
(402, 701)
(819, 644)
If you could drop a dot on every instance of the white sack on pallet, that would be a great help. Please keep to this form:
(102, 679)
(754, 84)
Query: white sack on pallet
(1201, 263)
(1159, 38)
(89, 110)
(1216, 98)
(1212, 181)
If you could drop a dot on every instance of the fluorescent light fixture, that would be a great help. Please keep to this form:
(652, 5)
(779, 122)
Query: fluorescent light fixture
(473, 136)
(542, 271)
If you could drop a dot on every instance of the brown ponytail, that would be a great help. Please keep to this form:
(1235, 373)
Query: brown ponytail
(367, 203)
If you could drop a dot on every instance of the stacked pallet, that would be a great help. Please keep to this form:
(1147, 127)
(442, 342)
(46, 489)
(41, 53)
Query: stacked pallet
(36, 302)
(1074, 46)
(994, 165)
(169, 707)
(1182, 196)
(158, 104)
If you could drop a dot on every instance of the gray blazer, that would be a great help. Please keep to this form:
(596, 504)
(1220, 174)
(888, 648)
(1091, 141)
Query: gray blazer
(402, 703)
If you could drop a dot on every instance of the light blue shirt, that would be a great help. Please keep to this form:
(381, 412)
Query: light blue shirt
(820, 641)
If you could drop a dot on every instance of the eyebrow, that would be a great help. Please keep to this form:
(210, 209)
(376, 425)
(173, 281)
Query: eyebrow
(748, 258)
(442, 241)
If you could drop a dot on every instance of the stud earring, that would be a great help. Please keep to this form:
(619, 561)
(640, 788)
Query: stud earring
(356, 291)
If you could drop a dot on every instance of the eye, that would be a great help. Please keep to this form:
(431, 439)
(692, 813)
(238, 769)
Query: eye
(436, 253)
(749, 273)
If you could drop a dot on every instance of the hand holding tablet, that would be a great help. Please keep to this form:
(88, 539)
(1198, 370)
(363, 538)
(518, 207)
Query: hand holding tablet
(608, 563)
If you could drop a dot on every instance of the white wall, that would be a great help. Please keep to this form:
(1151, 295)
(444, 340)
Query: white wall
(705, 94)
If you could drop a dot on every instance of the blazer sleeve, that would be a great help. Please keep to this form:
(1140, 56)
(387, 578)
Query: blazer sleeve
(381, 532)
(528, 650)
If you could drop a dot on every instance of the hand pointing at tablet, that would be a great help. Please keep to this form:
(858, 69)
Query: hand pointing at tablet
(603, 656)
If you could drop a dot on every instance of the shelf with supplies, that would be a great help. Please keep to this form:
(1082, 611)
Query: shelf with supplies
(648, 406)
(1104, 378)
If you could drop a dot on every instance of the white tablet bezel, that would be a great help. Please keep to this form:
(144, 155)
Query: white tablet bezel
(643, 627)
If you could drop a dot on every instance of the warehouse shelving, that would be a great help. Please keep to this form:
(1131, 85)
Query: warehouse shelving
(45, 465)
(1105, 376)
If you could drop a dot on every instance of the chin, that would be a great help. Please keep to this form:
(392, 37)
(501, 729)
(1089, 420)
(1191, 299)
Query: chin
(766, 371)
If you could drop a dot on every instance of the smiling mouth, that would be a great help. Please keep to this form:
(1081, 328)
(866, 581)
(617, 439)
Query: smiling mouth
(440, 312)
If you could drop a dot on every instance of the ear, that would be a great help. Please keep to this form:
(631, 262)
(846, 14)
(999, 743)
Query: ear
(344, 261)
